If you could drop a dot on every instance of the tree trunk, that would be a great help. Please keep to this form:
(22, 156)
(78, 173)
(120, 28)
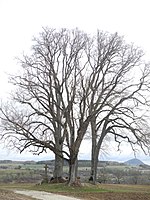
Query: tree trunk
(94, 159)
(94, 165)
(73, 167)
(96, 146)
(58, 168)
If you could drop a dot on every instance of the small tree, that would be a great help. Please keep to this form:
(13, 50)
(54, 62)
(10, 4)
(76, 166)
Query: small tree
(119, 174)
(135, 175)
(103, 176)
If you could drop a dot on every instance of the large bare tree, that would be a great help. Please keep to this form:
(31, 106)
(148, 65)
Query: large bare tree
(41, 114)
(120, 83)
(70, 82)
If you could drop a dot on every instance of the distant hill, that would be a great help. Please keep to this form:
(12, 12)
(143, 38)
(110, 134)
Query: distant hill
(134, 162)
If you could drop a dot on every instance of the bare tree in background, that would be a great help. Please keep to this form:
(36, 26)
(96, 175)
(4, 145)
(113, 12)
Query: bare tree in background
(70, 83)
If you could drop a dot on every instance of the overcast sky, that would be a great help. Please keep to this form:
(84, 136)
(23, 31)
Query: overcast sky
(20, 20)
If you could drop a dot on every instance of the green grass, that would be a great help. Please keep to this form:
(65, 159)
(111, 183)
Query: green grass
(63, 188)
(88, 188)
(55, 188)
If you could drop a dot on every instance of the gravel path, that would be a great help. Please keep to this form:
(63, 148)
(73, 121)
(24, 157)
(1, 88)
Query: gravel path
(43, 195)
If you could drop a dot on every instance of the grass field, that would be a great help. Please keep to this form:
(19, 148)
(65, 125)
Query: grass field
(90, 192)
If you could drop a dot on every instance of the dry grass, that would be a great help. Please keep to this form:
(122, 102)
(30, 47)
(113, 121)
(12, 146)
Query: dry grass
(8, 195)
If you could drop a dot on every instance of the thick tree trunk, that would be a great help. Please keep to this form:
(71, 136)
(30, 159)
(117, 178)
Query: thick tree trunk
(73, 168)
(58, 168)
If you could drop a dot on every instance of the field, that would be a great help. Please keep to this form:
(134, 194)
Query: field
(87, 192)
(102, 191)
(110, 172)
(135, 181)
(21, 172)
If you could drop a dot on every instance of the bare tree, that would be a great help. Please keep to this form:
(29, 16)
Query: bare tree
(42, 113)
(120, 95)
(119, 174)
(71, 82)
(134, 176)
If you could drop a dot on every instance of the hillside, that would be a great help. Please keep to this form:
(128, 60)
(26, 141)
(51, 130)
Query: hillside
(134, 162)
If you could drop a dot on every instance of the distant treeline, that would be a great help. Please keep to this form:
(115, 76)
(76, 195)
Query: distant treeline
(81, 163)
(5, 161)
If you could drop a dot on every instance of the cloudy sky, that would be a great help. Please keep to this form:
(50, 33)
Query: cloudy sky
(21, 19)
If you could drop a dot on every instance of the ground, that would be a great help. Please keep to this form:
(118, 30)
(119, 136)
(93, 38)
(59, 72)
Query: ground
(115, 196)
(101, 192)
(8, 195)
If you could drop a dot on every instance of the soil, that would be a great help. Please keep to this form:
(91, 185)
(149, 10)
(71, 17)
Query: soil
(113, 196)
(8, 195)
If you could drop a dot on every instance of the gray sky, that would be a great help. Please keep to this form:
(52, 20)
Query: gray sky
(21, 19)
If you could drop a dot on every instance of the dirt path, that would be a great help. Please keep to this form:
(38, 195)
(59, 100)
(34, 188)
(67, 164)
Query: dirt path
(43, 195)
